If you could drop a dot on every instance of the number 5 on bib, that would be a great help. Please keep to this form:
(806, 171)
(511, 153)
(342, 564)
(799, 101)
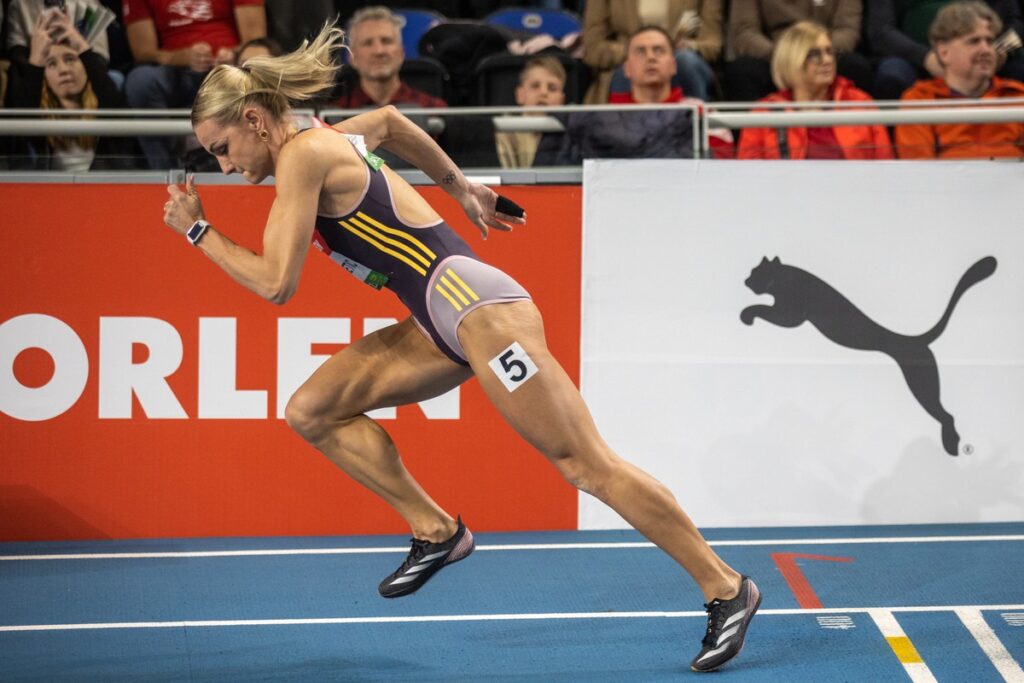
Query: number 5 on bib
(513, 366)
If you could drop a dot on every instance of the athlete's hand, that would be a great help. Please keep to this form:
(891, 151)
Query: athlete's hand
(183, 208)
(480, 203)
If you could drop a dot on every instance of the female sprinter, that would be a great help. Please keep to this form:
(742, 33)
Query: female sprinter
(467, 317)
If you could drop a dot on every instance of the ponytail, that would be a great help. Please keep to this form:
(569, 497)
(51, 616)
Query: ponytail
(271, 82)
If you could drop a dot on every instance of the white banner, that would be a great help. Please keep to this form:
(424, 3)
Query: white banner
(809, 343)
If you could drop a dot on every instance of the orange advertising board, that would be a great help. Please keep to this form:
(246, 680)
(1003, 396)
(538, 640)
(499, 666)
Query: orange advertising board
(140, 387)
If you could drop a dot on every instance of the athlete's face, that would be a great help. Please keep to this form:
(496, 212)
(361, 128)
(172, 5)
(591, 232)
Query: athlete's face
(238, 147)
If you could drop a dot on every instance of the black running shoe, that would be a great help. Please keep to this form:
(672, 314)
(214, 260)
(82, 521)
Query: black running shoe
(424, 559)
(727, 626)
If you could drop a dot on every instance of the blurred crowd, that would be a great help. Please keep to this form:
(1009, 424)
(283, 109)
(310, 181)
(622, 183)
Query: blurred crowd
(154, 54)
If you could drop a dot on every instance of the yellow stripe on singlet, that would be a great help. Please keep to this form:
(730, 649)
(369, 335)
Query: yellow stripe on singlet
(447, 283)
(462, 284)
(448, 296)
(404, 235)
(391, 252)
(387, 240)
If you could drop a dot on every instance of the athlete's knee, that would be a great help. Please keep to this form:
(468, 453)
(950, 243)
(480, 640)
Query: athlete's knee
(306, 415)
(590, 472)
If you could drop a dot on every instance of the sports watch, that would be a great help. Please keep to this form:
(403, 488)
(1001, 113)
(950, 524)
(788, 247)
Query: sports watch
(196, 232)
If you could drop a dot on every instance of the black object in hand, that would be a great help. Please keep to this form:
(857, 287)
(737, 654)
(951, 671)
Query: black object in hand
(507, 206)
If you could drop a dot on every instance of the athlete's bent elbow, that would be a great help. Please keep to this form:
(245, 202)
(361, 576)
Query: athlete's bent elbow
(281, 295)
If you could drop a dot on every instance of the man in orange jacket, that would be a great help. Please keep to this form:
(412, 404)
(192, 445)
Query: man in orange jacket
(963, 36)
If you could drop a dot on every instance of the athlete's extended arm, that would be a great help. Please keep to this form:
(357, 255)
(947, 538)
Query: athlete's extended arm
(274, 274)
(389, 128)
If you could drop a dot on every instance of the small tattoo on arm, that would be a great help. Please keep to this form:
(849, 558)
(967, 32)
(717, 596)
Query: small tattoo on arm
(449, 178)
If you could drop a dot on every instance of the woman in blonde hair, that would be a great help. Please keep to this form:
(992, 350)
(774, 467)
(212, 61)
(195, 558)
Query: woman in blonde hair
(63, 72)
(467, 318)
(804, 68)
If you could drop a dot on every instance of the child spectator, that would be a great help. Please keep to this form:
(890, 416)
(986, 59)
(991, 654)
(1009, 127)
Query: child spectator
(541, 84)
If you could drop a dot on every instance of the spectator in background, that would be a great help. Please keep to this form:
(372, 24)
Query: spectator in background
(375, 41)
(756, 25)
(695, 27)
(804, 68)
(897, 31)
(654, 134)
(175, 44)
(257, 47)
(22, 18)
(962, 37)
(62, 71)
(541, 84)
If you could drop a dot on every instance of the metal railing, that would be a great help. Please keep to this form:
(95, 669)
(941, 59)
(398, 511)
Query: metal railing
(705, 117)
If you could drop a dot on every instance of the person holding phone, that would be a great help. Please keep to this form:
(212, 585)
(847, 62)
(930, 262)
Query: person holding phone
(62, 71)
(22, 16)
(467, 318)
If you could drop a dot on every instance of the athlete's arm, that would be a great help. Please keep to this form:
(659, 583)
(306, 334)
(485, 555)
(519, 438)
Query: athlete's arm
(386, 127)
(274, 274)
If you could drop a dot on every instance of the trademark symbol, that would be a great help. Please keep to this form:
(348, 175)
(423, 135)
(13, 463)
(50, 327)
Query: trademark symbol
(967, 449)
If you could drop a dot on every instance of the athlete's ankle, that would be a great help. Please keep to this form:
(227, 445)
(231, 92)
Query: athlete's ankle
(436, 531)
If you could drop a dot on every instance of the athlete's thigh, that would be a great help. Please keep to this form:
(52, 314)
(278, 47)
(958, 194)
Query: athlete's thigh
(393, 366)
(545, 407)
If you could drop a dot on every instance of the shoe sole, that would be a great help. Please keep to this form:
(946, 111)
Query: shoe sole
(746, 623)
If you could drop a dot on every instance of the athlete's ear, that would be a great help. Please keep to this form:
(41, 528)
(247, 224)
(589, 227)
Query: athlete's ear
(252, 118)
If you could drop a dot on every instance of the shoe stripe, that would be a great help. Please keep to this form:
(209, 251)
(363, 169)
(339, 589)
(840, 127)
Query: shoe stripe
(418, 568)
(728, 634)
(434, 556)
(405, 579)
(733, 618)
(712, 653)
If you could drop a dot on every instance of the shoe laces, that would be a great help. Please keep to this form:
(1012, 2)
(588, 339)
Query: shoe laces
(716, 617)
(417, 551)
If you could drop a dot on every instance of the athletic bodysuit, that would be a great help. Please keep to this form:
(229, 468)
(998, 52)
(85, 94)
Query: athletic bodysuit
(431, 269)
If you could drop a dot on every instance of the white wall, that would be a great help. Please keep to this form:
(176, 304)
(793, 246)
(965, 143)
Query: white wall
(765, 425)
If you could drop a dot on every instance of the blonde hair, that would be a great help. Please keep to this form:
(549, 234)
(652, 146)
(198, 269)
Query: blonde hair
(791, 51)
(957, 19)
(273, 83)
(87, 100)
(546, 62)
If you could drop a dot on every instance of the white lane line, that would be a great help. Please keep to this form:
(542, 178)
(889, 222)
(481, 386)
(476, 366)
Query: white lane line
(994, 649)
(521, 546)
(480, 617)
(901, 646)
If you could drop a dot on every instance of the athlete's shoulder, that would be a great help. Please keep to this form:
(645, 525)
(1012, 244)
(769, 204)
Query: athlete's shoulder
(316, 150)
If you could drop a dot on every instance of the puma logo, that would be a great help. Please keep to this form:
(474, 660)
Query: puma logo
(802, 297)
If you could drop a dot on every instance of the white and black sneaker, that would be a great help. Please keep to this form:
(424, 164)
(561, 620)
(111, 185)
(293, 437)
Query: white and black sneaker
(727, 627)
(424, 560)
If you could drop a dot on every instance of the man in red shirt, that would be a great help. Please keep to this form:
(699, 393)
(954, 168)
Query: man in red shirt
(175, 43)
(375, 39)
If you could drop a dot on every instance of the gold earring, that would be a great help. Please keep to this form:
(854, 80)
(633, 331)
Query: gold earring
(264, 135)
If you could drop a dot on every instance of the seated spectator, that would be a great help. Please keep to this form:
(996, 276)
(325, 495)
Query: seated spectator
(694, 25)
(541, 84)
(655, 134)
(22, 18)
(756, 25)
(63, 72)
(898, 33)
(804, 68)
(175, 44)
(375, 41)
(257, 47)
(962, 37)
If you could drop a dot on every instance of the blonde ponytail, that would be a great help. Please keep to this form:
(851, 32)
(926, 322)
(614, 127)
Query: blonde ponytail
(271, 82)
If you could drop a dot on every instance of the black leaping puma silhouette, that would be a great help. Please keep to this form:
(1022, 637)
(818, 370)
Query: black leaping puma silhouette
(801, 296)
